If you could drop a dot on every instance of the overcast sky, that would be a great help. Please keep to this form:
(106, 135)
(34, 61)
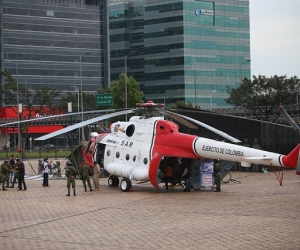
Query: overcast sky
(275, 37)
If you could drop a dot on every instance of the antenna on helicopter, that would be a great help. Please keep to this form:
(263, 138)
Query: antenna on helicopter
(149, 107)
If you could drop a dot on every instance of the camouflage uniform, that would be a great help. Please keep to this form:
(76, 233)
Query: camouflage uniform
(217, 175)
(85, 176)
(70, 173)
(2, 181)
(5, 171)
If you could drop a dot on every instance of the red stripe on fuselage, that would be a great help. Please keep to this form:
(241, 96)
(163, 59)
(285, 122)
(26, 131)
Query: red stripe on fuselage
(169, 142)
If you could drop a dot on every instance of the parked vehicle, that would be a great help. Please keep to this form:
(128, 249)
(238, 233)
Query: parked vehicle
(48, 146)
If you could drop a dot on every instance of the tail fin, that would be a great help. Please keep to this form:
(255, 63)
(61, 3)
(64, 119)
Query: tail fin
(292, 159)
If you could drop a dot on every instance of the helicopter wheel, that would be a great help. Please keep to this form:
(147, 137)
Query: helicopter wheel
(125, 184)
(116, 181)
(113, 181)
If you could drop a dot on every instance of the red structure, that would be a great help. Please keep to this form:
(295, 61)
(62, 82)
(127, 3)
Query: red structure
(9, 134)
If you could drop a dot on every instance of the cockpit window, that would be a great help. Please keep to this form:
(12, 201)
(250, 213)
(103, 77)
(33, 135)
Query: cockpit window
(130, 130)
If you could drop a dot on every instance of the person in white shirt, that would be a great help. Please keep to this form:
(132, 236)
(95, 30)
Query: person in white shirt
(46, 166)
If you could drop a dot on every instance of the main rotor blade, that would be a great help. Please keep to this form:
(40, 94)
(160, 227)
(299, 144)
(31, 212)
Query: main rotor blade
(218, 132)
(55, 116)
(179, 119)
(289, 119)
(81, 124)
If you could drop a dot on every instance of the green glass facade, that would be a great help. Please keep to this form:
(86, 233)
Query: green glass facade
(181, 50)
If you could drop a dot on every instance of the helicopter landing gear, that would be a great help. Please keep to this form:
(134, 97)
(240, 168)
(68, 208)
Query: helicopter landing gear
(125, 184)
(113, 181)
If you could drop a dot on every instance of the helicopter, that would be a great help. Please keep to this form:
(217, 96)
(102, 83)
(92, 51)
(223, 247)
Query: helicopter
(135, 149)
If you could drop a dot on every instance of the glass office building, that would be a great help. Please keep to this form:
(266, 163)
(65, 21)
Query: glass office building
(181, 49)
(56, 43)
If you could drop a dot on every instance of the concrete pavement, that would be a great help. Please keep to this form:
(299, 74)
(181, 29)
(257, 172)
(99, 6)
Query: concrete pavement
(256, 214)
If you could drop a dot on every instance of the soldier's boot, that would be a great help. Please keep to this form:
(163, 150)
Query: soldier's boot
(84, 188)
(68, 192)
(12, 186)
(3, 188)
(90, 188)
(74, 191)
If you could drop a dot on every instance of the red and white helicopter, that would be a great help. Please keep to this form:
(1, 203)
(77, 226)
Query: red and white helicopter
(134, 149)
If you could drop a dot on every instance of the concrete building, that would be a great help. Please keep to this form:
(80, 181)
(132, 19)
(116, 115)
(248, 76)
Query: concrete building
(186, 50)
(55, 42)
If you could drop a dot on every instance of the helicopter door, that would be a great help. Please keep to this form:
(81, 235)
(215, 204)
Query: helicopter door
(153, 170)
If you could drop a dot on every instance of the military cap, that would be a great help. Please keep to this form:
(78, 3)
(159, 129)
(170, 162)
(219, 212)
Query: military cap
(5, 160)
(18, 159)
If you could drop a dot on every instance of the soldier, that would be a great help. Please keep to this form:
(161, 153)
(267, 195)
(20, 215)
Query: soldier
(96, 168)
(5, 171)
(217, 175)
(85, 176)
(70, 173)
(21, 170)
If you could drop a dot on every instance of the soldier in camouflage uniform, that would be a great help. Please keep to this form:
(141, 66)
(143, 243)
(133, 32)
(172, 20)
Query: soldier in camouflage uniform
(2, 181)
(85, 176)
(70, 173)
(5, 171)
(217, 175)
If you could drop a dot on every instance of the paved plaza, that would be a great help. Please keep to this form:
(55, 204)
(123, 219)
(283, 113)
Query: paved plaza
(256, 214)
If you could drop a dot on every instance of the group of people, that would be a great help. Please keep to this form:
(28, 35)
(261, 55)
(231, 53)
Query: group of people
(11, 171)
(174, 171)
(71, 176)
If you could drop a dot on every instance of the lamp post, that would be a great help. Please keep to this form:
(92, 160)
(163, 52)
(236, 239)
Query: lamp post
(77, 107)
(19, 109)
(194, 83)
(126, 78)
(241, 68)
(82, 131)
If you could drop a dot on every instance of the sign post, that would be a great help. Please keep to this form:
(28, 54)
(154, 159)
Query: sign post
(104, 99)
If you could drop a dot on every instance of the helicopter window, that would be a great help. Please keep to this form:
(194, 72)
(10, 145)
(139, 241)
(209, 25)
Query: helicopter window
(108, 152)
(127, 157)
(134, 158)
(118, 154)
(145, 161)
(130, 130)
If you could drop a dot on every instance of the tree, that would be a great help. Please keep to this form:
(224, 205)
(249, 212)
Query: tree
(180, 103)
(263, 95)
(41, 100)
(89, 102)
(134, 94)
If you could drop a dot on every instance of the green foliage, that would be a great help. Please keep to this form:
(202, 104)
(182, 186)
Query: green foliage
(36, 100)
(89, 102)
(263, 95)
(180, 103)
(134, 94)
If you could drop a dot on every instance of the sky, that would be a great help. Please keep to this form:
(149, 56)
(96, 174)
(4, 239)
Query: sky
(275, 37)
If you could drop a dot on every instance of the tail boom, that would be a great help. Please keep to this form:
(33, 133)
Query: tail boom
(226, 151)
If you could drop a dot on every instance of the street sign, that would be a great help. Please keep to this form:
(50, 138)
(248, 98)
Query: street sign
(104, 100)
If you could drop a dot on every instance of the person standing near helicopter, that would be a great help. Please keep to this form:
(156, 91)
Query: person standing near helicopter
(217, 175)
(85, 175)
(71, 175)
